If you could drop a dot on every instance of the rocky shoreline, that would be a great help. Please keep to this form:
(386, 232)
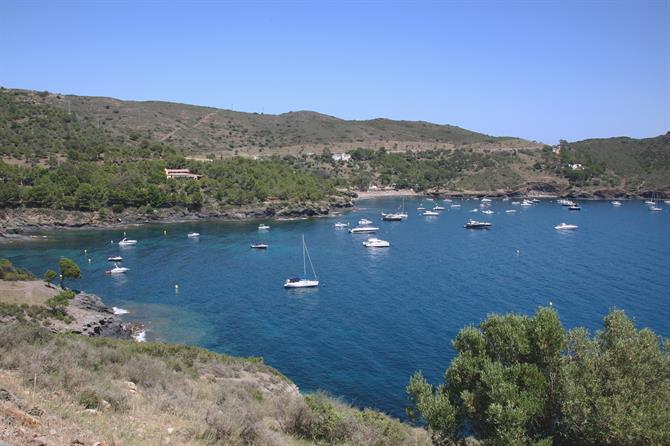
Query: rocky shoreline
(18, 223)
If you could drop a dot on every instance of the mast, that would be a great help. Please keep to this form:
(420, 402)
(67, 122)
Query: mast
(304, 264)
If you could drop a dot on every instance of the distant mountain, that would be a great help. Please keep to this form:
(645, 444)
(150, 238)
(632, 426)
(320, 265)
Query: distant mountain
(205, 130)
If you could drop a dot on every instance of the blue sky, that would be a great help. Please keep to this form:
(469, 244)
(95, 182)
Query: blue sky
(541, 70)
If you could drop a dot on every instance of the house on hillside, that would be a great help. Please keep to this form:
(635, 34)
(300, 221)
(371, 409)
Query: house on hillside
(576, 166)
(180, 173)
(341, 157)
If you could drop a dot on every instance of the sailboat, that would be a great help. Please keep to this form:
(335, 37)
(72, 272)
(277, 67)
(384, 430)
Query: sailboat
(303, 282)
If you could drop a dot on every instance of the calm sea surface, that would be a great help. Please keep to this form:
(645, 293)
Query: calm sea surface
(378, 315)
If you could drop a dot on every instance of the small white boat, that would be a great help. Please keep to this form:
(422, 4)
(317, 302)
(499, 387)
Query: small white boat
(505, 199)
(193, 234)
(438, 208)
(126, 242)
(363, 230)
(650, 202)
(447, 200)
(430, 199)
(565, 227)
(474, 224)
(535, 200)
(393, 217)
(526, 203)
(485, 200)
(616, 203)
(118, 270)
(575, 207)
(511, 211)
(115, 259)
(667, 202)
(430, 214)
(516, 203)
(655, 209)
(376, 243)
(487, 212)
(421, 208)
(455, 206)
(304, 281)
(475, 210)
(341, 225)
(259, 246)
(364, 221)
(263, 227)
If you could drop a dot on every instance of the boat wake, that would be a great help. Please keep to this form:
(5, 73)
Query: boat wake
(119, 311)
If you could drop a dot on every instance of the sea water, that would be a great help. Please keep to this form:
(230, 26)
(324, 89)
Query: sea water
(378, 314)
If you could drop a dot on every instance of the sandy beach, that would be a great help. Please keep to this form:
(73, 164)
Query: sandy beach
(362, 195)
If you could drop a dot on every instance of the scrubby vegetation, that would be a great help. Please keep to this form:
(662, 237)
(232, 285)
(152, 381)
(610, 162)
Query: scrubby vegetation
(150, 393)
(9, 272)
(521, 380)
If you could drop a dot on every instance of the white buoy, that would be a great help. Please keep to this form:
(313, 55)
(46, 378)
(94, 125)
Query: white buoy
(111, 242)
(85, 251)
(164, 231)
(518, 252)
(124, 233)
(551, 304)
(176, 288)
(89, 260)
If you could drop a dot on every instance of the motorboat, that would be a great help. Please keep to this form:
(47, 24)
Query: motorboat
(505, 198)
(487, 212)
(364, 221)
(575, 207)
(115, 259)
(304, 281)
(616, 203)
(376, 243)
(455, 206)
(535, 200)
(430, 199)
(650, 202)
(526, 203)
(339, 224)
(421, 208)
(127, 242)
(118, 270)
(510, 211)
(363, 230)
(393, 217)
(486, 200)
(430, 214)
(564, 202)
(259, 246)
(516, 203)
(263, 227)
(474, 224)
(438, 208)
(193, 234)
(447, 200)
(474, 210)
(655, 209)
(565, 227)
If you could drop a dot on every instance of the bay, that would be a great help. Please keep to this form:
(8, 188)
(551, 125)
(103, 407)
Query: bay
(379, 314)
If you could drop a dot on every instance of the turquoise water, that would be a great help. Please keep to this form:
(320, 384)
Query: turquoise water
(379, 315)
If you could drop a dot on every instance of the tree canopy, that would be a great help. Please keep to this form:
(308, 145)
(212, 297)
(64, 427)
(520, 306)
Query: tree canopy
(520, 380)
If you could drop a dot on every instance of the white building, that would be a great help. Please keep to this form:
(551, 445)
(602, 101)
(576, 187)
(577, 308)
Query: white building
(341, 157)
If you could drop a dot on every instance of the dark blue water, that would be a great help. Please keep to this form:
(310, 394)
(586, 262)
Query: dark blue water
(379, 315)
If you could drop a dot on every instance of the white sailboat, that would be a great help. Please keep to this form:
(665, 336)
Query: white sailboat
(303, 282)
